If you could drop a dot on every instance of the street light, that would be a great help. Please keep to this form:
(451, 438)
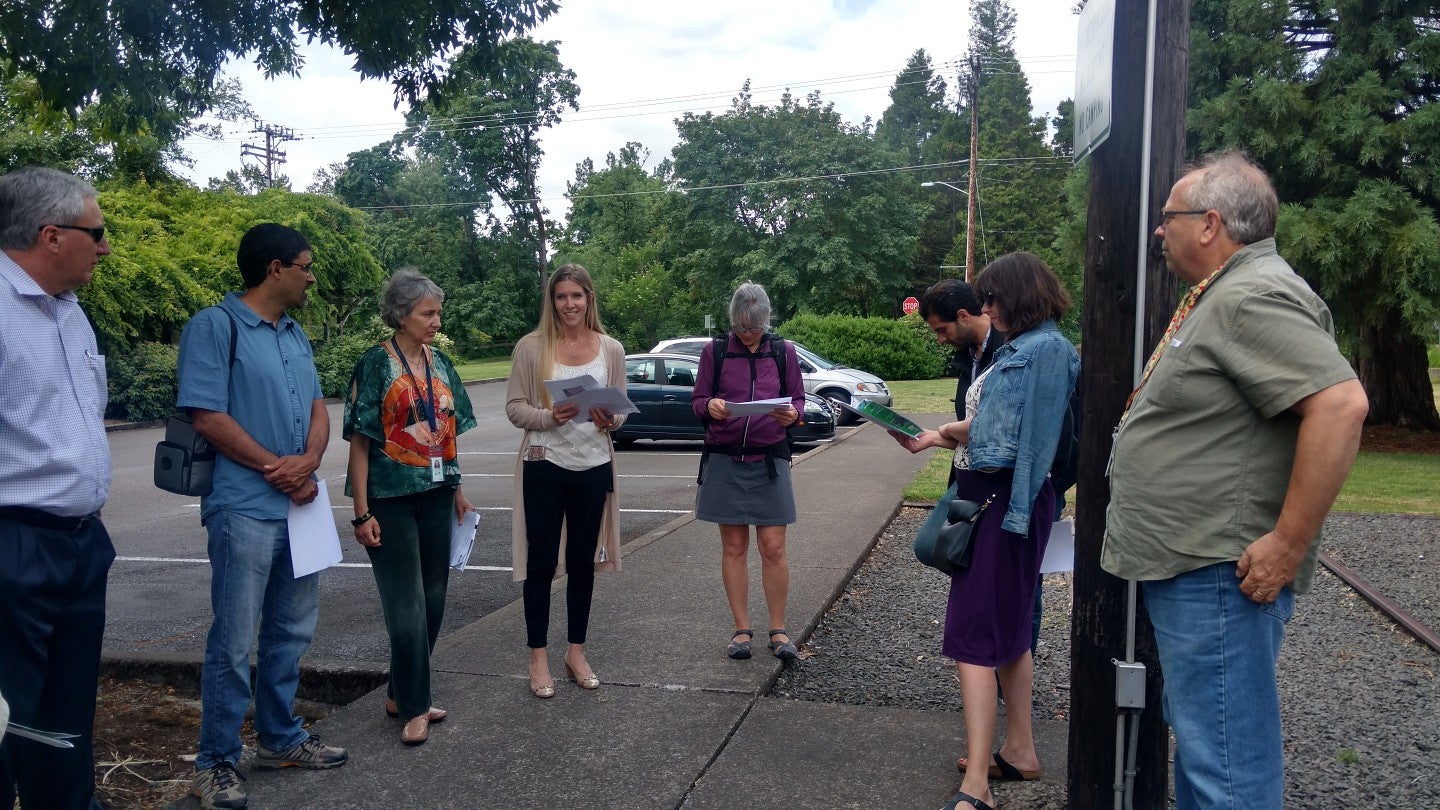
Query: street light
(929, 183)
(969, 221)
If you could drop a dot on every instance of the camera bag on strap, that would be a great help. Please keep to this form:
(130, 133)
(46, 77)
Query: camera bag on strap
(184, 460)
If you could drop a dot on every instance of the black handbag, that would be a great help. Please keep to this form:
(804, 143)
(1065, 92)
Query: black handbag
(945, 546)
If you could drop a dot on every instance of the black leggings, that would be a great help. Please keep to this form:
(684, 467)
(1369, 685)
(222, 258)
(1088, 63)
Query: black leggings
(554, 495)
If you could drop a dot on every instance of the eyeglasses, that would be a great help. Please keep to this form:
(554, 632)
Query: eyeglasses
(305, 266)
(97, 233)
(748, 329)
(1166, 216)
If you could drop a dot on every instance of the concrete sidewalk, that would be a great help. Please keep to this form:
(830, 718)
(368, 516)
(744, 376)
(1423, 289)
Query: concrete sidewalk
(676, 723)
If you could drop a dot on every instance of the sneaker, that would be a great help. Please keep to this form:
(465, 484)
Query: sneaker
(219, 787)
(311, 755)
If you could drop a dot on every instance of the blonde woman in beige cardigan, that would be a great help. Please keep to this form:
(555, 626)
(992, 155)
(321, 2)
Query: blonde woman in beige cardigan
(565, 517)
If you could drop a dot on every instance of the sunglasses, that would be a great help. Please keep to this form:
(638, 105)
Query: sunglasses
(97, 233)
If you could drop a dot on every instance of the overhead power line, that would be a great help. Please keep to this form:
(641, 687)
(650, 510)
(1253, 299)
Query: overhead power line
(680, 189)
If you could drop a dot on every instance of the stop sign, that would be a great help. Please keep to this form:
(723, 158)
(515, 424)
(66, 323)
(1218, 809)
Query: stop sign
(910, 304)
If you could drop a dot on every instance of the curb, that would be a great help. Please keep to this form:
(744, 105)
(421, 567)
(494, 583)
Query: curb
(323, 681)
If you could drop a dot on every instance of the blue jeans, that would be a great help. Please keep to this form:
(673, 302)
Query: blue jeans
(252, 582)
(1217, 653)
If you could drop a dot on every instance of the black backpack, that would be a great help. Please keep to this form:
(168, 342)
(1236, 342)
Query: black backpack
(1065, 469)
(720, 352)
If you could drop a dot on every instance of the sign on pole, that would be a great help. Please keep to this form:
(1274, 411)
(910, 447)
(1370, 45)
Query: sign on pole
(910, 304)
(1094, 64)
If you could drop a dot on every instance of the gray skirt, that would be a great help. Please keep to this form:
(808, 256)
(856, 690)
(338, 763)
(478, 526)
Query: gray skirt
(742, 493)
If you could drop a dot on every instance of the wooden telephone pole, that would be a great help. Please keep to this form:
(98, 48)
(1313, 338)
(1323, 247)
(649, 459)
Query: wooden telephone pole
(1112, 244)
(974, 159)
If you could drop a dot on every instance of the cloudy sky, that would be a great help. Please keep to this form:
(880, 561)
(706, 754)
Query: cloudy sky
(641, 64)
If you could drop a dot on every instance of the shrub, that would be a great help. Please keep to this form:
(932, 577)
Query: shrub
(143, 383)
(891, 349)
(336, 358)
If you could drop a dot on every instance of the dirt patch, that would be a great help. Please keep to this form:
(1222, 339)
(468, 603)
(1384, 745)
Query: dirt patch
(145, 740)
(1390, 439)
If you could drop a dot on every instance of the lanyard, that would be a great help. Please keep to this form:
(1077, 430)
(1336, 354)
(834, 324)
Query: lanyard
(429, 405)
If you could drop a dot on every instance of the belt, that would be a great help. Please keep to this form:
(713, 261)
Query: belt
(41, 519)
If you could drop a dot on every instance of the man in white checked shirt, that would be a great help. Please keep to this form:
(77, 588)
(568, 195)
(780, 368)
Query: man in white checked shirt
(54, 477)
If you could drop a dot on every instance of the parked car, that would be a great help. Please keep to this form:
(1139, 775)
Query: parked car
(824, 378)
(661, 385)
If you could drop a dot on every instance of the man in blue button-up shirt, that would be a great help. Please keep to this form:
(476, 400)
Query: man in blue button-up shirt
(54, 476)
(264, 412)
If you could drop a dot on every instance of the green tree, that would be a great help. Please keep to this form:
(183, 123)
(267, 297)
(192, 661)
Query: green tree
(795, 198)
(486, 129)
(1020, 182)
(103, 140)
(617, 231)
(920, 125)
(1337, 100)
(917, 108)
(168, 55)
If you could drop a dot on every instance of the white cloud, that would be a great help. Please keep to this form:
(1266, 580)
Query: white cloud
(641, 64)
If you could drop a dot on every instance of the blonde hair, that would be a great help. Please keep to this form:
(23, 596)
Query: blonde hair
(549, 330)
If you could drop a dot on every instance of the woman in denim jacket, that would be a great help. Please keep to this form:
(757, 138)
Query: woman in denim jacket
(1010, 439)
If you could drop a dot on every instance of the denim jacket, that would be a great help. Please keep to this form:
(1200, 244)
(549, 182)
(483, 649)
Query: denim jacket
(1022, 407)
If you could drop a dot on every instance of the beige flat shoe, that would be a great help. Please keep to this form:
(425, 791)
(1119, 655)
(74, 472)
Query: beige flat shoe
(435, 715)
(416, 731)
(588, 682)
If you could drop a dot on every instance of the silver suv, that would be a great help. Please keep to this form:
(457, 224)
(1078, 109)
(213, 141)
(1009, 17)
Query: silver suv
(822, 377)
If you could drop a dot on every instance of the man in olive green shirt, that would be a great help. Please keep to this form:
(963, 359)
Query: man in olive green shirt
(1224, 468)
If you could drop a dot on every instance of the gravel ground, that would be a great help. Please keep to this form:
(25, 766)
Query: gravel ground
(1359, 696)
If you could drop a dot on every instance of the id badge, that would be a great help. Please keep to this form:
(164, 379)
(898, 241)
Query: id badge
(437, 465)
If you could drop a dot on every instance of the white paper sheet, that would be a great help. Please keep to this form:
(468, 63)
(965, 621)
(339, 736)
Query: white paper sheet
(759, 407)
(1060, 551)
(314, 539)
(462, 539)
(587, 393)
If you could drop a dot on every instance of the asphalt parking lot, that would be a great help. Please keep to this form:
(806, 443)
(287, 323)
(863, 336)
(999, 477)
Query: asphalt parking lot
(159, 596)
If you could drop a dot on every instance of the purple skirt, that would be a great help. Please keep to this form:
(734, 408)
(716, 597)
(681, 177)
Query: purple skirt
(988, 617)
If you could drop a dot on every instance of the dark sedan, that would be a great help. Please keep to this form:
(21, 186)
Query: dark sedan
(661, 384)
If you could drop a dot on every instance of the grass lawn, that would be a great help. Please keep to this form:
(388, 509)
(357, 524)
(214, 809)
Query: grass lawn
(1392, 482)
(484, 369)
(1380, 482)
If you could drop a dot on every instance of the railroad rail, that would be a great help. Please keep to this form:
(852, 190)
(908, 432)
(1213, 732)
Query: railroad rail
(1383, 603)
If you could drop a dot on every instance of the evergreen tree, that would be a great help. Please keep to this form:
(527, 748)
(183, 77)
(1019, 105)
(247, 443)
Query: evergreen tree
(1020, 180)
(1337, 101)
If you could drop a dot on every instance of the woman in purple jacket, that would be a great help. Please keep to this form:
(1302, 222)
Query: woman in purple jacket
(745, 470)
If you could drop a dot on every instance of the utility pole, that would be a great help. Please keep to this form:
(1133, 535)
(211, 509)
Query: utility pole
(974, 147)
(274, 135)
(1113, 244)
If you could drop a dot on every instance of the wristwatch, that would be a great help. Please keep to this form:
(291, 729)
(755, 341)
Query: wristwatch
(356, 522)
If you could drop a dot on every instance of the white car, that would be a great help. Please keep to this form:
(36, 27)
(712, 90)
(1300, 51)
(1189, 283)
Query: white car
(830, 380)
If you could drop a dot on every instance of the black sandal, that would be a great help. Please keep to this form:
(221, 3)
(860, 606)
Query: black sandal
(784, 650)
(965, 798)
(740, 649)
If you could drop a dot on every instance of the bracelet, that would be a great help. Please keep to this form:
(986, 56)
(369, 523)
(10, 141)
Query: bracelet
(357, 522)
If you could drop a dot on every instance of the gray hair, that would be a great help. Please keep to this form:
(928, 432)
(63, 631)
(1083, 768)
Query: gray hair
(1232, 184)
(407, 288)
(750, 306)
(36, 196)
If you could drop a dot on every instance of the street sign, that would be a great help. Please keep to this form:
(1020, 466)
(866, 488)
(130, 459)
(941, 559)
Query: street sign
(1094, 64)
(910, 304)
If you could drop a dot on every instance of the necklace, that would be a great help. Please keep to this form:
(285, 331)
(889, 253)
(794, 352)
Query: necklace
(584, 341)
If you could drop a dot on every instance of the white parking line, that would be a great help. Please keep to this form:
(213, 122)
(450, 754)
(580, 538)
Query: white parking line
(337, 565)
(622, 475)
(507, 509)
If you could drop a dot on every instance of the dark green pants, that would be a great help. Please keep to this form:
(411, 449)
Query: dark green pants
(411, 568)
